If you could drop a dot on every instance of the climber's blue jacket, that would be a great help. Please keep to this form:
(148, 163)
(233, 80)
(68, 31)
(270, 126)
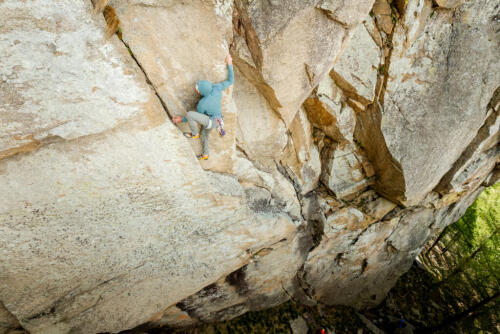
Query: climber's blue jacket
(210, 104)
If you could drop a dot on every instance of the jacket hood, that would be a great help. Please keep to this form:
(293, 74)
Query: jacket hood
(204, 87)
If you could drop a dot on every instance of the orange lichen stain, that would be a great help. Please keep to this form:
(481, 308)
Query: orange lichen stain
(94, 89)
(421, 82)
(315, 106)
(407, 76)
(156, 317)
(35, 144)
(26, 137)
(111, 20)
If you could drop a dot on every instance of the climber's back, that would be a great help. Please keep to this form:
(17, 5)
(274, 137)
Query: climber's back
(210, 104)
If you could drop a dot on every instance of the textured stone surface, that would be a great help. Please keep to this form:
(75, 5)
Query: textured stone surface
(342, 253)
(373, 254)
(130, 239)
(356, 75)
(61, 80)
(384, 15)
(344, 170)
(433, 106)
(111, 218)
(260, 131)
(301, 157)
(163, 44)
(267, 280)
(287, 63)
(348, 13)
(328, 111)
(450, 4)
(7, 320)
(103, 203)
(483, 150)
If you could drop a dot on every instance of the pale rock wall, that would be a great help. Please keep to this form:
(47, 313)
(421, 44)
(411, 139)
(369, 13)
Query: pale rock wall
(171, 44)
(291, 47)
(440, 79)
(352, 139)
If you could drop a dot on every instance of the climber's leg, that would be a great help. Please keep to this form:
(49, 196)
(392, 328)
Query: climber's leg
(194, 118)
(204, 141)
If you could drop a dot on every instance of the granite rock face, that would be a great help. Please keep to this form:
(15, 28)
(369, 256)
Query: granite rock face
(288, 47)
(351, 140)
(440, 80)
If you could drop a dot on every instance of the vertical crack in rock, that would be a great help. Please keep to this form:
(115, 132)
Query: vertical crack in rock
(364, 265)
(163, 104)
(304, 288)
(368, 132)
(284, 171)
(245, 36)
(131, 53)
(243, 27)
(8, 321)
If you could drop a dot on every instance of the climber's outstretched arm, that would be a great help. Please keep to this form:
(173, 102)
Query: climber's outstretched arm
(230, 80)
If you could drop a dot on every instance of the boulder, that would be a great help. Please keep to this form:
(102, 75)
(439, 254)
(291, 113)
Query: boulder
(299, 326)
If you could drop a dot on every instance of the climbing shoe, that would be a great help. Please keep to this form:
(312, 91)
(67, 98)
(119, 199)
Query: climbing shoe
(190, 135)
(203, 157)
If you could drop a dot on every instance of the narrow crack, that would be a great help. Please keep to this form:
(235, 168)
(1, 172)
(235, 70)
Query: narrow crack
(98, 7)
(163, 104)
(10, 322)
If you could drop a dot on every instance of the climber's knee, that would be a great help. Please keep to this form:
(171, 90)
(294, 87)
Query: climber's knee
(191, 115)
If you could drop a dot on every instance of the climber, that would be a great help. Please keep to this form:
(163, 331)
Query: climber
(208, 114)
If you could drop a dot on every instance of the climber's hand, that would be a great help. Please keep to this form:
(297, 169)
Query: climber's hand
(229, 60)
(176, 119)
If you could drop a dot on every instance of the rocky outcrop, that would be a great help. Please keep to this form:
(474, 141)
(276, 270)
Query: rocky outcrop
(432, 107)
(285, 49)
(352, 139)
